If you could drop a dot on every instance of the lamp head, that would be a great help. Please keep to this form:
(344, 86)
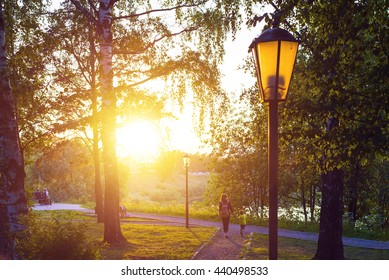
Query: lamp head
(274, 53)
(186, 159)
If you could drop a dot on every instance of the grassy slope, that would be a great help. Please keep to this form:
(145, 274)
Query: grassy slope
(295, 249)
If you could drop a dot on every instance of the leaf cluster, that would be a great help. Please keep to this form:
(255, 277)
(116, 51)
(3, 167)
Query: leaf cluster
(57, 238)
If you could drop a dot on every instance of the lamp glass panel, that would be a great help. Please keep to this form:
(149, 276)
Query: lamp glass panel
(258, 70)
(186, 161)
(267, 54)
(287, 58)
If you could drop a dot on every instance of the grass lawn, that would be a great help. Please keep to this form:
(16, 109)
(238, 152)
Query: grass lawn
(296, 249)
(144, 241)
(154, 242)
(162, 242)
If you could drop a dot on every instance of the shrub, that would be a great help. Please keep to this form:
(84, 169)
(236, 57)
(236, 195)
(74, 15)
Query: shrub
(57, 238)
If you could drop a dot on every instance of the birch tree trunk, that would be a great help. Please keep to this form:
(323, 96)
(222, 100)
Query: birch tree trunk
(112, 231)
(13, 200)
(95, 126)
(96, 159)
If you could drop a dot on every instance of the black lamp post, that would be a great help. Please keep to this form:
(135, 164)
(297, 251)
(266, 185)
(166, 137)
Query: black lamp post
(274, 52)
(186, 160)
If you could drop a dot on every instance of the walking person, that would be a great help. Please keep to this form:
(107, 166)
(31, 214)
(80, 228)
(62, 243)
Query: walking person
(225, 210)
(242, 221)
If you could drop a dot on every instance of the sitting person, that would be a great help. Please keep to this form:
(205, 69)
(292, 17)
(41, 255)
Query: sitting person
(38, 195)
(122, 211)
(45, 198)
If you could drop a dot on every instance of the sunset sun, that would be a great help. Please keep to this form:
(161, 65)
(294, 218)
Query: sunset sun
(140, 140)
(144, 141)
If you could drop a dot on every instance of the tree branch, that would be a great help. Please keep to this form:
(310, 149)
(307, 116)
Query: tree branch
(160, 71)
(85, 12)
(93, 8)
(155, 41)
(161, 10)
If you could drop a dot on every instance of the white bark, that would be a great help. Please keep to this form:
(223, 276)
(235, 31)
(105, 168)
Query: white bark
(13, 200)
(112, 231)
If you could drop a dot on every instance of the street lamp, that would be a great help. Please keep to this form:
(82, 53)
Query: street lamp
(186, 160)
(274, 53)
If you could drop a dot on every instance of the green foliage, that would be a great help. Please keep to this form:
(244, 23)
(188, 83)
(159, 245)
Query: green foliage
(168, 164)
(341, 72)
(29, 50)
(146, 187)
(239, 156)
(66, 171)
(57, 238)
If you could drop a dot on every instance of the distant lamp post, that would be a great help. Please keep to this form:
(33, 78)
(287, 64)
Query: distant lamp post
(274, 53)
(186, 160)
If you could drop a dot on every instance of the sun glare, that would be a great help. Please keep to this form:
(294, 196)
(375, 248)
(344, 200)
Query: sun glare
(143, 141)
(140, 140)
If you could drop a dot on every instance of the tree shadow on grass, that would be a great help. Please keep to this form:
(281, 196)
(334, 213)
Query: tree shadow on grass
(118, 251)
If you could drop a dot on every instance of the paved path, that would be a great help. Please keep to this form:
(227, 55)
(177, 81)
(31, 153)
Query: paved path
(235, 240)
(219, 247)
(59, 206)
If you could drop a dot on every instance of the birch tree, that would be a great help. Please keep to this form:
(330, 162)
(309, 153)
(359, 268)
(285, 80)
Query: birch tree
(201, 27)
(13, 200)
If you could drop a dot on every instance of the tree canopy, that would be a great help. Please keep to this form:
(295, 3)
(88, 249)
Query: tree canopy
(341, 73)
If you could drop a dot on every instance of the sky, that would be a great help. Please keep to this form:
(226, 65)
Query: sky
(142, 140)
(146, 146)
(236, 52)
(233, 81)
